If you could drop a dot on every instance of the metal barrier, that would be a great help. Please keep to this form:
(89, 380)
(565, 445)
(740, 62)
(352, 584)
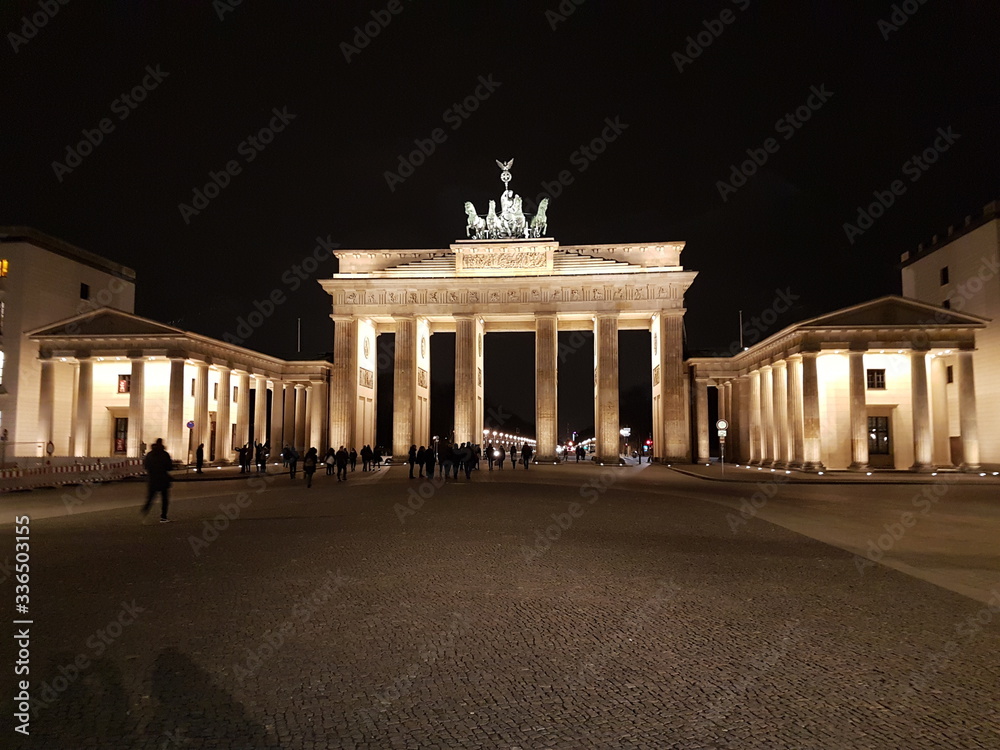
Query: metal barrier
(12, 480)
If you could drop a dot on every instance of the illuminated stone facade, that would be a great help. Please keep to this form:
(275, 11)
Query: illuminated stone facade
(961, 270)
(862, 388)
(112, 382)
(475, 288)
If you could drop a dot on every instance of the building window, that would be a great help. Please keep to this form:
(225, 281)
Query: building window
(124, 383)
(944, 275)
(192, 386)
(121, 434)
(878, 436)
(236, 393)
(215, 391)
(3, 311)
(946, 304)
(84, 291)
(951, 374)
(876, 380)
(3, 268)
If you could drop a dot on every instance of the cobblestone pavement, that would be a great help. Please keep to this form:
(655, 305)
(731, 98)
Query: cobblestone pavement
(563, 607)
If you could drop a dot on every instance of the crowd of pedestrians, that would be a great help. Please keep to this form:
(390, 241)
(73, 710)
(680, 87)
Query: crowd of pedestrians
(447, 460)
(450, 459)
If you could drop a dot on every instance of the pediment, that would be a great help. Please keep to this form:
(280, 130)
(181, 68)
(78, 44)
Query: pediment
(105, 321)
(893, 311)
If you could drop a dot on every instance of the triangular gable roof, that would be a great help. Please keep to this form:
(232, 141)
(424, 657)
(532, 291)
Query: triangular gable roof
(890, 311)
(105, 321)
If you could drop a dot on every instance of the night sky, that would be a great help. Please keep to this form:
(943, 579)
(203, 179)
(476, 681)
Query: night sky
(882, 89)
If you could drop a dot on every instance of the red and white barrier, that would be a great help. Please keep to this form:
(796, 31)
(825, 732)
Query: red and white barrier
(12, 480)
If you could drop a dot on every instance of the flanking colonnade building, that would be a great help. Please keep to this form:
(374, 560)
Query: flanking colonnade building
(908, 382)
(861, 388)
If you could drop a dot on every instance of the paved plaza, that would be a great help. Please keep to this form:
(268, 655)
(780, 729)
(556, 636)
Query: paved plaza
(562, 607)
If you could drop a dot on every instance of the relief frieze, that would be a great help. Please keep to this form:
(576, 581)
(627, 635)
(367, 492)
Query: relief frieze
(504, 294)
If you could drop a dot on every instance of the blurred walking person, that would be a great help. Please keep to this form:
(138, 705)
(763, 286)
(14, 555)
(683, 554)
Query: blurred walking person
(309, 465)
(158, 465)
(342, 458)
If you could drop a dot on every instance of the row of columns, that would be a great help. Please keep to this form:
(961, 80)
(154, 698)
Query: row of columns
(411, 424)
(773, 413)
(777, 416)
(298, 417)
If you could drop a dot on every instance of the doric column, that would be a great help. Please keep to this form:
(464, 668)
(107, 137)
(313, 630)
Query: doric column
(202, 429)
(733, 439)
(84, 406)
(223, 432)
(967, 411)
(720, 400)
(404, 385)
(606, 420)
(277, 417)
(674, 390)
(779, 378)
(422, 408)
(300, 418)
(795, 411)
(939, 412)
(288, 433)
(468, 379)
(742, 414)
(922, 443)
(175, 409)
(242, 408)
(136, 407)
(71, 451)
(46, 402)
(859, 410)
(546, 388)
(308, 395)
(701, 417)
(812, 436)
(343, 386)
(767, 415)
(756, 454)
(318, 409)
(260, 409)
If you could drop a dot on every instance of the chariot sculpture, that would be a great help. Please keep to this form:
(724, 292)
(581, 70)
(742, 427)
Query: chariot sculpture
(511, 223)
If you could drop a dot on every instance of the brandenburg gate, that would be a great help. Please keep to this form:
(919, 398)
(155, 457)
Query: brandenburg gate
(507, 276)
